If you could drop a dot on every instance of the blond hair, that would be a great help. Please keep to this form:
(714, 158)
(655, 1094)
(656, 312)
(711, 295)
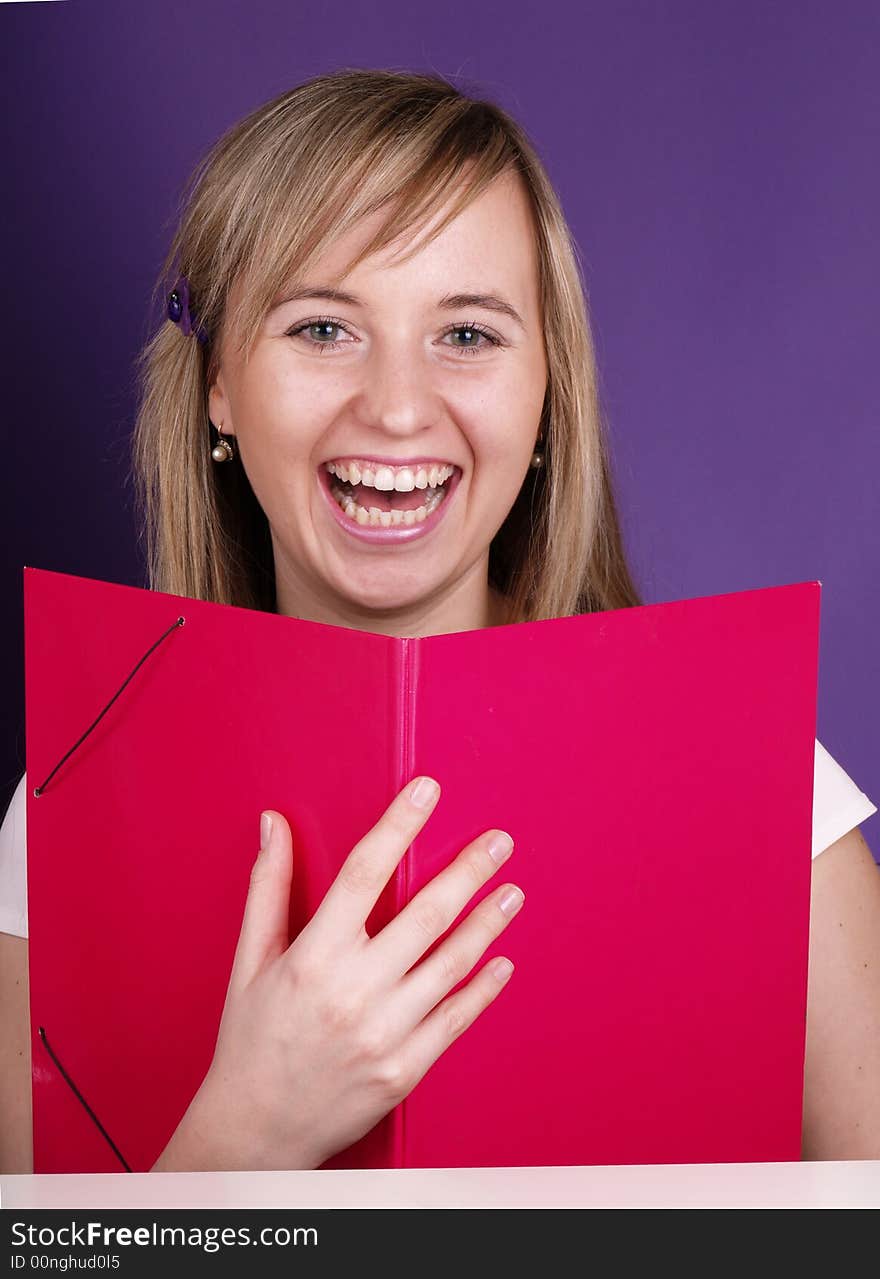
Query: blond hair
(269, 197)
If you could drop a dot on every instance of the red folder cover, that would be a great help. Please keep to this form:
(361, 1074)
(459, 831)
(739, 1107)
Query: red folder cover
(653, 764)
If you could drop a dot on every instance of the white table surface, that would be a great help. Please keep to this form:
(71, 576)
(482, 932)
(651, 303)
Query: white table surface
(831, 1184)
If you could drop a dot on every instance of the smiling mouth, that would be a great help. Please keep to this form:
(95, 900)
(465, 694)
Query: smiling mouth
(365, 504)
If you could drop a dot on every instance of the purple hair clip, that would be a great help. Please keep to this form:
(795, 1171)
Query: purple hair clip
(179, 310)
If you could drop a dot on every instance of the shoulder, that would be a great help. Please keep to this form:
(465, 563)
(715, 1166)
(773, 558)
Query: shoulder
(839, 804)
(13, 864)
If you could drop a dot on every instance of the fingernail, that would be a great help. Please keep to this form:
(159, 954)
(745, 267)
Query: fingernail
(265, 831)
(511, 901)
(501, 969)
(424, 791)
(500, 846)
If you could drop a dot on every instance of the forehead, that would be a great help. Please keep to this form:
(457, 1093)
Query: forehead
(489, 243)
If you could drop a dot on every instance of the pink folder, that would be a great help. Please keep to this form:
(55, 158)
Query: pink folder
(654, 766)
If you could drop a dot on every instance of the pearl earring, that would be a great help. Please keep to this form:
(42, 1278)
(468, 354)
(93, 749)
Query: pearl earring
(537, 459)
(222, 451)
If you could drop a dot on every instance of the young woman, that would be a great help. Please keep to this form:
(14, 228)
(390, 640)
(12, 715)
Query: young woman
(374, 405)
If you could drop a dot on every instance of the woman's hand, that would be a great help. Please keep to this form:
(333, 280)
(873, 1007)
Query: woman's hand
(320, 1039)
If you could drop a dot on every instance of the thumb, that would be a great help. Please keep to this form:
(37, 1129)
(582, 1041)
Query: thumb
(264, 931)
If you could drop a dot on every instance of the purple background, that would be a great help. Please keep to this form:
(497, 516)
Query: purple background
(717, 163)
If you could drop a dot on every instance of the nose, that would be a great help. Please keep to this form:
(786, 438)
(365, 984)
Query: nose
(395, 398)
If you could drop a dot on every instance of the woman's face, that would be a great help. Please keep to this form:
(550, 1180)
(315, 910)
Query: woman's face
(433, 364)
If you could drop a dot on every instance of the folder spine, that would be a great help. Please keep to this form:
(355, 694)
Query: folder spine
(404, 685)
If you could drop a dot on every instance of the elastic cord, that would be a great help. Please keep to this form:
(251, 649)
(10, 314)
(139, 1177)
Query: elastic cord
(39, 790)
(104, 1133)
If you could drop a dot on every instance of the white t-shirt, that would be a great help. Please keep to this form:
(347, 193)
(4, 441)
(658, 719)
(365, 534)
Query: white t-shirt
(838, 806)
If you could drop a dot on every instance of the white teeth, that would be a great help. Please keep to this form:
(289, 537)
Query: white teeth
(376, 518)
(404, 479)
(401, 479)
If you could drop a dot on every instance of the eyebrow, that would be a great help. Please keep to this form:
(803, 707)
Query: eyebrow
(449, 301)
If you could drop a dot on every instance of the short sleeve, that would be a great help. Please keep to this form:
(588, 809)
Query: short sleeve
(13, 865)
(838, 804)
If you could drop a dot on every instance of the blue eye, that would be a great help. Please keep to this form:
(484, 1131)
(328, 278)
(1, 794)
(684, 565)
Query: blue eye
(328, 343)
(322, 323)
(323, 326)
(316, 336)
(473, 330)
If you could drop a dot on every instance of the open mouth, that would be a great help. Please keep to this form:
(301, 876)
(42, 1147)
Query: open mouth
(384, 497)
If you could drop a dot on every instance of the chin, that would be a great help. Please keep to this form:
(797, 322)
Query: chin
(384, 605)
